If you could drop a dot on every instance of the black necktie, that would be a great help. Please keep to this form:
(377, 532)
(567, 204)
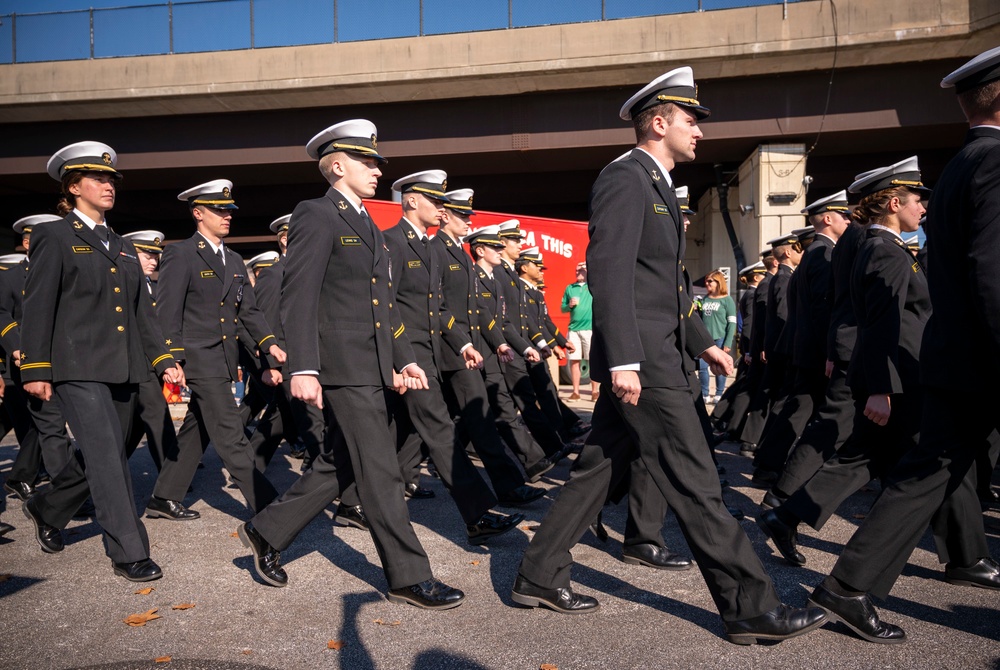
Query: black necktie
(102, 232)
(423, 240)
(218, 252)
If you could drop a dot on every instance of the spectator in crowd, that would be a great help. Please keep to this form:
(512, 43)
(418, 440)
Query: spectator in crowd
(718, 311)
(578, 302)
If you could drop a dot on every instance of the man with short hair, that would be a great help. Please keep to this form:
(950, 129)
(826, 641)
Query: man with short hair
(348, 351)
(204, 303)
(640, 333)
(578, 301)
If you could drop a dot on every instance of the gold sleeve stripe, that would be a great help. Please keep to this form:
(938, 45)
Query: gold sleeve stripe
(163, 357)
(399, 332)
(178, 349)
(31, 366)
(451, 322)
(269, 337)
(691, 311)
(492, 323)
(7, 329)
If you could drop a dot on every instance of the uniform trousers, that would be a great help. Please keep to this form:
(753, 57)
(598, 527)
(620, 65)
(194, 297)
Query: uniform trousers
(954, 430)
(41, 432)
(290, 419)
(466, 397)
(733, 405)
(100, 417)
(510, 425)
(422, 417)
(545, 392)
(153, 420)
(523, 391)
(785, 424)
(359, 447)
(213, 415)
(662, 430)
(824, 436)
(751, 424)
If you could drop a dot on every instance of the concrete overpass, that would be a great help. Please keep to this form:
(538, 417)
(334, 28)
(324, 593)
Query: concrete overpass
(525, 116)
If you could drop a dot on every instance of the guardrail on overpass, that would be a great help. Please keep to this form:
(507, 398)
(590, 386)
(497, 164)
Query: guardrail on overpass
(156, 27)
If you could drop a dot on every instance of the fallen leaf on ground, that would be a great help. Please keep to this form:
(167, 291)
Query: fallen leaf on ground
(525, 527)
(4, 578)
(234, 534)
(183, 606)
(858, 516)
(548, 666)
(335, 644)
(383, 622)
(162, 659)
(145, 592)
(141, 619)
(247, 652)
(473, 562)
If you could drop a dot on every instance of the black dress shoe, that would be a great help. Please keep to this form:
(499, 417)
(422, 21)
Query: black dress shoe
(857, 613)
(522, 495)
(160, 508)
(766, 478)
(432, 594)
(354, 516)
(772, 500)
(140, 571)
(654, 556)
(735, 512)
(717, 439)
(297, 451)
(748, 448)
(562, 600)
(989, 496)
(580, 428)
(782, 535)
(536, 471)
(598, 529)
(491, 525)
(5, 528)
(266, 559)
(411, 490)
(20, 490)
(49, 537)
(781, 623)
(561, 454)
(984, 573)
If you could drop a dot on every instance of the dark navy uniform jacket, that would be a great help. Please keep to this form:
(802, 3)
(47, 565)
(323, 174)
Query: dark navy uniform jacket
(204, 306)
(87, 313)
(812, 305)
(635, 262)
(337, 291)
(417, 288)
(458, 287)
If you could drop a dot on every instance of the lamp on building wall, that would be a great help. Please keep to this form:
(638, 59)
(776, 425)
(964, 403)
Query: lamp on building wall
(781, 198)
(746, 209)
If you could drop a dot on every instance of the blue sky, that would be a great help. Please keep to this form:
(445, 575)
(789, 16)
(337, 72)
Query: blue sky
(144, 29)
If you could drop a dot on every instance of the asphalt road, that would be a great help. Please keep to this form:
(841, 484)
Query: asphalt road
(67, 610)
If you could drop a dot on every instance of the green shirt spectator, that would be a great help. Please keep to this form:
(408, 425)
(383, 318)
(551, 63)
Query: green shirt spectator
(719, 315)
(581, 315)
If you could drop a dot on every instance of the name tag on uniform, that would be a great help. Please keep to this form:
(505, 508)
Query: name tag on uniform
(414, 264)
(661, 209)
(207, 274)
(455, 266)
(531, 301)
(82, 250)
(346, 241)
(486, 295)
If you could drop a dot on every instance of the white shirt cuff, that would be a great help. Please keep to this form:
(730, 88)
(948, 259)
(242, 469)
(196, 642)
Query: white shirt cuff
(406, 366)
(634, 367)
(314, 373)
(462, 350)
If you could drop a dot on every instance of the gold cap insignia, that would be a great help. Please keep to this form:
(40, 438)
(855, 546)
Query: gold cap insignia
(374, 142)
(106, 157)
(444, 185)
(226, 192)
(470, 202)
(410, 234)
(156, 241)
(341, 204)
(78, 225)
(201, 245)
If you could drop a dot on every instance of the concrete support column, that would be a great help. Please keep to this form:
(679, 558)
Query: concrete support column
(771, 195)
